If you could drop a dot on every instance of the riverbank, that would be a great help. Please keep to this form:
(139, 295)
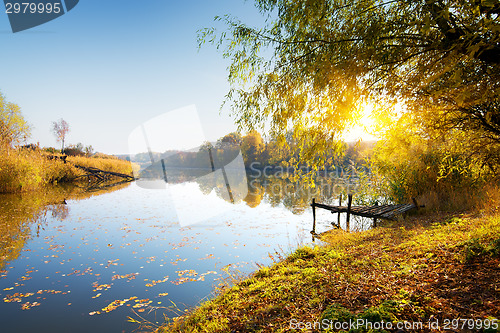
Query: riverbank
(23, 170)
(425, 269)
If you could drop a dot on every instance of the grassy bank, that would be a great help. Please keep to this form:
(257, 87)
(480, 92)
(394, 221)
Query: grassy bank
(23, 170)
(422, 269)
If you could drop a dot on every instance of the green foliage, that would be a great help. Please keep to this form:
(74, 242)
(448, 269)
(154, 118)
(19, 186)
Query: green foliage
(385, 312)
(79, 150)
(475, 248)
(305, 75)
(13, 127)
(441, 170)
(337, 313)
(253, 147)
(302, 253)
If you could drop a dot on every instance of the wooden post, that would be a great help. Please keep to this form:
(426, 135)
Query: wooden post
(338, 214)
(164, 170)
(211, 159)
(415, 202)
(348, 219)
(314, 216)
(375, 219)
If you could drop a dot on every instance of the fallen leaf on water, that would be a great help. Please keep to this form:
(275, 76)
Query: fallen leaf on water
(28, 305)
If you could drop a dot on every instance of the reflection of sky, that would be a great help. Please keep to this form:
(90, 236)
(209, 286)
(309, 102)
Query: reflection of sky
(136, 230)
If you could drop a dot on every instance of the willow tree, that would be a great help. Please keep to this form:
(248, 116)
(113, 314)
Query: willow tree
(314, 63)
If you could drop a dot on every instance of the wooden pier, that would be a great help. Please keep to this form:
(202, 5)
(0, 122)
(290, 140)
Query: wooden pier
(102, 175)
(387, 212)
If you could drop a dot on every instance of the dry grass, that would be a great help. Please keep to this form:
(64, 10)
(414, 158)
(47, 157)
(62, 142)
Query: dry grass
(107, 164)
(22, 170)
(441, 267)
(28, 170)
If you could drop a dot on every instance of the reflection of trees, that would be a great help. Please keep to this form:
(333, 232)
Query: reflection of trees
(59, 211)
(187, 166)
(20, 213)
(255, 194)
(295, 196)
(237, 185)
(14, 228)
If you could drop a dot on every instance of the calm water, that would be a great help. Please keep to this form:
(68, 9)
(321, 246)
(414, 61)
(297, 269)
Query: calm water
(72, 261)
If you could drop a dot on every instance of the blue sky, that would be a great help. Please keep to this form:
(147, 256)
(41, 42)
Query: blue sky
(108, 66)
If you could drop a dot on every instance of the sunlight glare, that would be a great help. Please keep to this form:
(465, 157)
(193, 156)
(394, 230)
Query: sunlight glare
(364, 128)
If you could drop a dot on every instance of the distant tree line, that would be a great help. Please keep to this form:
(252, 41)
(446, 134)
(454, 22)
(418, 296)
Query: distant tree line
(257, 153)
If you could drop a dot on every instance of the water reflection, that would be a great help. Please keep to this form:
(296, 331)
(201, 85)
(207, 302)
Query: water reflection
(294, 195)
(255, 189)
(98, 259)
(20, 213)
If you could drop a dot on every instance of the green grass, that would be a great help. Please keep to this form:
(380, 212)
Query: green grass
(437, 267)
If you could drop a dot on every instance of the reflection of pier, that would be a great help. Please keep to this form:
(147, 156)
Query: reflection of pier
(387, 212)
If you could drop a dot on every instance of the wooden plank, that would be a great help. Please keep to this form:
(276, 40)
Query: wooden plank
(391, 214)
(362, 210)
(334, 209)
(400, 210)
(383, 211)
(376, 211)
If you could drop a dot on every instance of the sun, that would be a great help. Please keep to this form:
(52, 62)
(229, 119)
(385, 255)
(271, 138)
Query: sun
(364, 127)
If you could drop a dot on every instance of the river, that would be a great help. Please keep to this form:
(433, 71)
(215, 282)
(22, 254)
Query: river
(84, 260)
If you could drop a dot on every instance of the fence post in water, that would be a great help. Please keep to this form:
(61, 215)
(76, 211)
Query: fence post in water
(375, 219)
(348, 219)
(338, 214)
(314, 216)
(164, 170)
(211, 159)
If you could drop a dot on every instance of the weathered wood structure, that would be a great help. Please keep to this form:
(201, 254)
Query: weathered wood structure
(102, 175)
(57, 157)
(388, 212)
